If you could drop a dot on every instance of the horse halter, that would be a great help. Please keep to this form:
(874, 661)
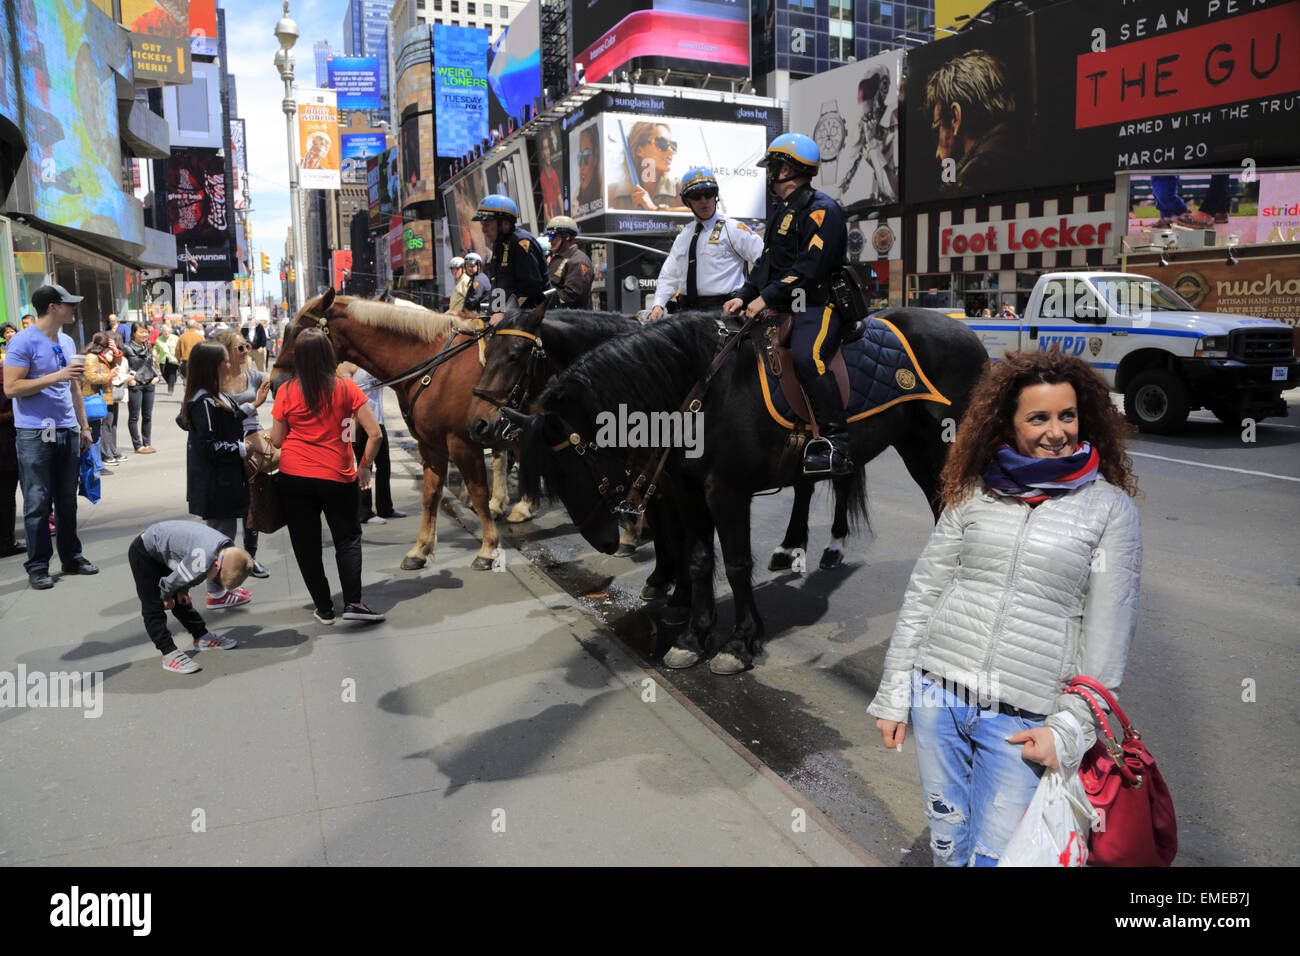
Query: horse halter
(603, 487)
(519, 389)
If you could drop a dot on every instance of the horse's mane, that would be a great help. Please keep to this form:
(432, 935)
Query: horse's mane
(405, 319)
(652, 369)
(606, 324)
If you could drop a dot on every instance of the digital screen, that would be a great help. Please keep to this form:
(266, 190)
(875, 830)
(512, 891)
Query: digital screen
(356, 81)
(361, 145)
(705, 36)
(460, 88)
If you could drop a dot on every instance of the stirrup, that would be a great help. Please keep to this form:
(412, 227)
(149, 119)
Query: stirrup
(832, 454)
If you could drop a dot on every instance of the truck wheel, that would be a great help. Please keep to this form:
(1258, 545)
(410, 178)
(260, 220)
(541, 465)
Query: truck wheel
(1156, 401)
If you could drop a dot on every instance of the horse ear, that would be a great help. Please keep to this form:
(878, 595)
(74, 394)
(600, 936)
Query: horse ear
(327, 300)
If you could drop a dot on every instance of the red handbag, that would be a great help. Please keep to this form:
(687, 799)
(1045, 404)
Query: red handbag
(1121, 779)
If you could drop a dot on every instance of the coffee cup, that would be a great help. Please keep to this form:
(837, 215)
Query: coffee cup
(77, 361)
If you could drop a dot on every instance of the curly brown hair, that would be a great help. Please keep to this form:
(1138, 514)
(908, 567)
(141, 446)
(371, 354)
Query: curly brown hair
(988, 422)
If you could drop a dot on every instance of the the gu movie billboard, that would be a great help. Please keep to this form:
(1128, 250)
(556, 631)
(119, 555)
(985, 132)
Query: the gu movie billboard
(460, 88)
(697, 36)
(1081, 90)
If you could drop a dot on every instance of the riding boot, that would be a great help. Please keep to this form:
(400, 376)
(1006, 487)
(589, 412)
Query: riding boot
(830, 454)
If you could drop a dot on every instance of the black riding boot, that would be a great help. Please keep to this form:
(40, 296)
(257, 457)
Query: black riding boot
(830, 454)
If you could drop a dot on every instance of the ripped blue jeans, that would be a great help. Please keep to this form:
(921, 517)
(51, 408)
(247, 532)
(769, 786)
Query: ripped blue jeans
(976, 785)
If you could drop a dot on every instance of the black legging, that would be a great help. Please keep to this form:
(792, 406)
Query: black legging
(140, 422)
(303, 500)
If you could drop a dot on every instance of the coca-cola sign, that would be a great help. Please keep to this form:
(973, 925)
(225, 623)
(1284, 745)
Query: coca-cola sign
(196, 208)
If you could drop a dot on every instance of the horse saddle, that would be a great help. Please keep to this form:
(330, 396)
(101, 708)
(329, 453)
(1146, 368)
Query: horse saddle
(874, 368)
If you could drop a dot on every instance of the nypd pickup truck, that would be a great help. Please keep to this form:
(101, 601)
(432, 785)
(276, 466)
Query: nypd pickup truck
(1165, 357)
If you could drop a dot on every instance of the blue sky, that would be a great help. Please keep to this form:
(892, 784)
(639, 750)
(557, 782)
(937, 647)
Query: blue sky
(251, 46)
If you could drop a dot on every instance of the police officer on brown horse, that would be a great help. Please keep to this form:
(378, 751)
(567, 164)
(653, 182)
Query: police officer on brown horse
(805, 242)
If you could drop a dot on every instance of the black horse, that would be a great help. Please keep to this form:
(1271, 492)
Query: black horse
(530, 348)
(742, 451)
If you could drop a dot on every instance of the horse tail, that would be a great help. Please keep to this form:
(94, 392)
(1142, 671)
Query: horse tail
(858, 516)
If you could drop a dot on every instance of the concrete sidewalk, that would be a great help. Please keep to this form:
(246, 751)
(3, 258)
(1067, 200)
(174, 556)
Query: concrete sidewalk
(488, 721)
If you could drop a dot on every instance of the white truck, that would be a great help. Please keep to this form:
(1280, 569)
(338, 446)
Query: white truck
(1165, 357)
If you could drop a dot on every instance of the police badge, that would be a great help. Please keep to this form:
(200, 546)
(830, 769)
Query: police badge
(1094, 345)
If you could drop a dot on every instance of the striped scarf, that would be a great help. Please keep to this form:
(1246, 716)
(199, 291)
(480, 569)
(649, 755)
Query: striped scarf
(1034, 480)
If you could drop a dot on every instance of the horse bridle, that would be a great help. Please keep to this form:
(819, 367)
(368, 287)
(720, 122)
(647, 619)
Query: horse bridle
(518, 392)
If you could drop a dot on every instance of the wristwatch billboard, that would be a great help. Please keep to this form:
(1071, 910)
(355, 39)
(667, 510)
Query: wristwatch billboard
(830, 134)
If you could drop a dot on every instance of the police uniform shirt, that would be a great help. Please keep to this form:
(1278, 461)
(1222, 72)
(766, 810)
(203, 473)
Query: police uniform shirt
(722, 250)
(571, 274)
(479, 290)
(459, 292)
(518, 268)
(805, 241)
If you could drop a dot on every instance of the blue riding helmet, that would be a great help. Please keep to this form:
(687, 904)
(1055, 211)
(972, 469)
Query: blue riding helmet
(793, 147)
(698, 180)
(490, 207)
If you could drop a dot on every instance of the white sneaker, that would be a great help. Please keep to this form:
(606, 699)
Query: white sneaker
(211, 642)
(178, 662)
(375, 519)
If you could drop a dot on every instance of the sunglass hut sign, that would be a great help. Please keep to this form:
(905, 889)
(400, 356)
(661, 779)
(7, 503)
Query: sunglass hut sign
(1040, 234)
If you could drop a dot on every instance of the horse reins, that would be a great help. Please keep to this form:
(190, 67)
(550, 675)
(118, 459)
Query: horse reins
(518, 391)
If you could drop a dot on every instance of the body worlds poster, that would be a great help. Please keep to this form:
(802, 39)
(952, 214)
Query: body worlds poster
(319, 151)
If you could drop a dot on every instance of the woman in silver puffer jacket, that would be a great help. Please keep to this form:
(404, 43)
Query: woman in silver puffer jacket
(1030, 578)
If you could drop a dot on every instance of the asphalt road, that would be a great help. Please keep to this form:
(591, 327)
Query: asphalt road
(1212, 676)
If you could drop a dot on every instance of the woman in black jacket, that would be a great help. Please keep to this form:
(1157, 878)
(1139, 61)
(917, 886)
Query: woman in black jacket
(215, 484)
(144, 373)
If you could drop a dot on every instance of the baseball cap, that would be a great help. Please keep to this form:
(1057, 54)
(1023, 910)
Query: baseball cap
(53, 293)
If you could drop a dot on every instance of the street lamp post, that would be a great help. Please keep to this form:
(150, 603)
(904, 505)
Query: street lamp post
(286, 31)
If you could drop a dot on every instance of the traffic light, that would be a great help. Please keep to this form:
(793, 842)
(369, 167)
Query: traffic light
(291, 279)
(266, 262)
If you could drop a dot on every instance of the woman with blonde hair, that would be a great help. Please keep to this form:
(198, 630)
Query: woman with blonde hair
(1029, 579)
(247, 388)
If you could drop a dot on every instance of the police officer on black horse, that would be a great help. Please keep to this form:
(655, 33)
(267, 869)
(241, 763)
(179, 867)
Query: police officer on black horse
(518, 266)
(805, 242)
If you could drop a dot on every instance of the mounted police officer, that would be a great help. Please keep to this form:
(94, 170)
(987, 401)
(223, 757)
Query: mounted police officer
(569, 268)
(460, 285)
(479, 289)
(518, 266)
(805, 242)
(707, 262)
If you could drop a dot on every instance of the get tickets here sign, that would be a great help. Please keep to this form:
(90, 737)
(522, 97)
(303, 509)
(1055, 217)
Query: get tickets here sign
(1078, 231)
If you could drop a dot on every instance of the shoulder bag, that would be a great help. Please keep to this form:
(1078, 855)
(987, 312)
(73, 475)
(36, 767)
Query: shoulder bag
(1123, 783)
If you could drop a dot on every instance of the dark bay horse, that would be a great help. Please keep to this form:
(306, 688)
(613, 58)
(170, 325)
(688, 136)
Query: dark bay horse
(530, 348)
(386, 340)
(742, 450)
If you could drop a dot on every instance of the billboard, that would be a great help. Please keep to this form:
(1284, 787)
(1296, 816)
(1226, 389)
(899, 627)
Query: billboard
(515, 68)
(239, 161)
(1239, 208)
(362, 145)
(852, 114)
(193, 111)
(417, 250)
(550, 172)
(355, 80)
(64, 95)
(460, 88)
(319, 162)
(697, 36)
(197, 210)
(1266, 288)
(342, 266)
(632, 167)
(383, 187)
(160, 39)
(203, 27)
(1079, 91)
(461, 201)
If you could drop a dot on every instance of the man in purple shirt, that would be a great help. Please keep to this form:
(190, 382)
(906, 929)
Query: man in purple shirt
(40, 375)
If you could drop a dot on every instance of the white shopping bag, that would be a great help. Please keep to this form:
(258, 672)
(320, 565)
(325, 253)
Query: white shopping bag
(1054, 830)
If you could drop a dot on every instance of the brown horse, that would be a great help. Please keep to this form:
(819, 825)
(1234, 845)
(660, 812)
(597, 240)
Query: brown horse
(387, 340)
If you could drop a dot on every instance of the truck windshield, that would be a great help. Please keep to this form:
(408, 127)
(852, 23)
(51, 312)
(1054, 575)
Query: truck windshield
(1130, 296)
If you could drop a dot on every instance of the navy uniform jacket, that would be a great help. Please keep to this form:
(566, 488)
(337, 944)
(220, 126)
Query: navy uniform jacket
(571, 274)
(804, 242)
(519, 268)
(476, 295)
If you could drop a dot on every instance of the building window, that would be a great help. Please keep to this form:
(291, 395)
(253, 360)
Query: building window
(455, 6)
(437, 5)
(469, 8)
(809, 5)
(438, 21)
(880, 14)
(841, 40)
(419, 4)
(919, 20)
(841, 10)
(472, 25)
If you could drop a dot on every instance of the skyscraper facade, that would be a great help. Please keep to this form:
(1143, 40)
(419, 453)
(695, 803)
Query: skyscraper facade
(365, 27)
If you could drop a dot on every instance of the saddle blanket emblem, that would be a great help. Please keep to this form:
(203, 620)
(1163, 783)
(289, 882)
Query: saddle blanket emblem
(882, 370)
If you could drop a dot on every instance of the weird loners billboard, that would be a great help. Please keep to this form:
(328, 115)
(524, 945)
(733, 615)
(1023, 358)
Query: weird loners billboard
(1082, 90)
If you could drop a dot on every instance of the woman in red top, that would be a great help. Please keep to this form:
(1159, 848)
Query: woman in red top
(316, 416)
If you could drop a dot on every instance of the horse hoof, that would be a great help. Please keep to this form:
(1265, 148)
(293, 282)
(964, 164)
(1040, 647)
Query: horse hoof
(654, 592)
(726, 664)
(413, 564)
(831, 558)
(780, 561)
(679, 658)
(518, 517)
(675, 615)
(481, 563)
(625, 550)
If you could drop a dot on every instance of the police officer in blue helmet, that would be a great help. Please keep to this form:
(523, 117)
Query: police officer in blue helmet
(805, 241)
(518, 266)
